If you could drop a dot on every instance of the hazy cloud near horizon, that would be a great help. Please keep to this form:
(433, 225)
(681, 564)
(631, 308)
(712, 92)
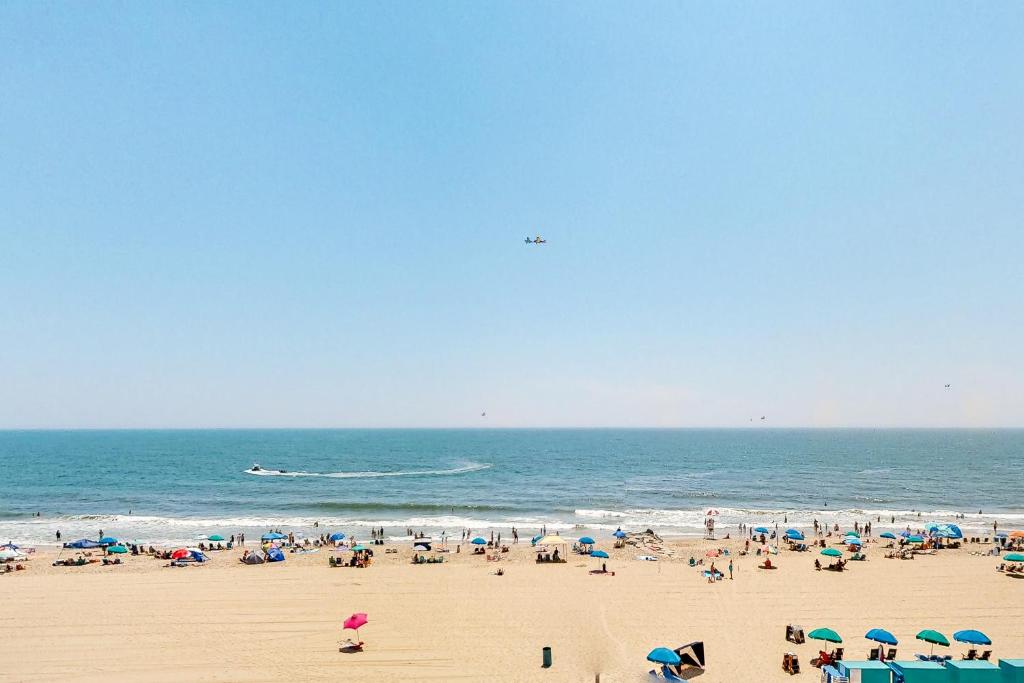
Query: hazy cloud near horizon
(317, 217)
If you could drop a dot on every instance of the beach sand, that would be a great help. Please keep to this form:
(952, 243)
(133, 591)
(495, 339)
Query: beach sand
(225, 621)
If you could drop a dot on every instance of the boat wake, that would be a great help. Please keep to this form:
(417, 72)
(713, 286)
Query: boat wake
(468, 467)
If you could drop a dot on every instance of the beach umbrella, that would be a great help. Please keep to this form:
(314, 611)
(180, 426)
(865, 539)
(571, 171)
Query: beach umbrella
(108, 540)
(853, 541)
(119, 549)
(358, 548)
(216, 537)
(711, 553)
(587, 540)
(972, 637)
(9, 546)
(478, 541)
(1014, 557)
(553, 539)
(272, 536)
(831, 552)
(852, 533)
(1002, 534)
(826, 634)
(711, 512)
(934, 638)
(915, 539)
(887, 534)
(762, 530)
(880, 635)
(1017, 534)
(599, 553)
(9, 554)
(904, 534)
(663, 655)
(619, 534)
(356, 621)
(336, 536)
(794, 535)
(179, 553)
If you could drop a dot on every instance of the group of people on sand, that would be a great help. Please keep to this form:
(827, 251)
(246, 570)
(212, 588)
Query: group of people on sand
(550, 557)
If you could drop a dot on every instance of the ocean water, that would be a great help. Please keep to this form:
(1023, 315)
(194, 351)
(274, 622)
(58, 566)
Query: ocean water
(163, 486)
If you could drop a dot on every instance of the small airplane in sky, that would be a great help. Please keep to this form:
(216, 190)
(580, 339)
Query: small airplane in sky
(536, 240)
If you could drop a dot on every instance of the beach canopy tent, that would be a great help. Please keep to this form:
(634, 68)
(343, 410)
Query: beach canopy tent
(691, 654)
(1014, 557)
(83, 543)
(887, 534)
(275, 555)
(880, 635)
(553, 539)
(587, 540)
(831, 552)
(272, 536)
(972, 637)
(255, 557)
(825, 634)
(663, 655)
(478, 541)
(336, 536)
(599, 553)
(794, 535)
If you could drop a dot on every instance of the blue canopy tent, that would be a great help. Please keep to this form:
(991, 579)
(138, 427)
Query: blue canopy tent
(275, 555)
(83, 543)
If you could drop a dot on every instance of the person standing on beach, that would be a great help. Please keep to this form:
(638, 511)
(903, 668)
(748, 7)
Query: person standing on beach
(730, 569)
(58, 535)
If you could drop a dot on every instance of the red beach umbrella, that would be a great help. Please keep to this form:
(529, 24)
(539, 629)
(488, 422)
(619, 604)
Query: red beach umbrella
(179, 553)
(356, 621)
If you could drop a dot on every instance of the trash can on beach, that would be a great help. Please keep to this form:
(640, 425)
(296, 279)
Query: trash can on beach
(547, 657)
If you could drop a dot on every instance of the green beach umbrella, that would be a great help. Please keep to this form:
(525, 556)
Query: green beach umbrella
(825, 634)
(852, 533)
(915, 539)
(831, 552)
(1014, 557)
(216, 537)
(933, 637)
(119, 549)
(358, 548)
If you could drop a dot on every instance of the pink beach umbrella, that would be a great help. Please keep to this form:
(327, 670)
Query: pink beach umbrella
(356, 621)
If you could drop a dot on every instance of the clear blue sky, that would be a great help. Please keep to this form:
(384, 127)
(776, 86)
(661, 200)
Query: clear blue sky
(217, 214)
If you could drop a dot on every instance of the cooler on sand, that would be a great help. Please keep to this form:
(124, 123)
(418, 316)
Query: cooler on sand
(865, 672)
(967, 671)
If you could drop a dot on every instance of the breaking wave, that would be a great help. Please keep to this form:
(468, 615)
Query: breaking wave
(468, 467)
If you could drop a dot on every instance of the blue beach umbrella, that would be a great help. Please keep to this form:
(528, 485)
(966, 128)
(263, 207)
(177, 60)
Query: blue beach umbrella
(336, 536)
(762, 530)
(1002, 534)
(619, 534)
(852, 541)
(108, 540)
(852, 533)
(663, 655)
(599, 553)
(887, 534)
(478, 541)
(272, 536)
(587, 540)
(972, 637)
(880, 635)
(794, 534)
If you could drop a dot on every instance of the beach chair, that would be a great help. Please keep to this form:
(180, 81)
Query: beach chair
(971, 654)
(874, 654)
(837, 654)
(891, 655)
(986, 655)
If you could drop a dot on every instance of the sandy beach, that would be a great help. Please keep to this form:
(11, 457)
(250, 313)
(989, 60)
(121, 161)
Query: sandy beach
(459, 621)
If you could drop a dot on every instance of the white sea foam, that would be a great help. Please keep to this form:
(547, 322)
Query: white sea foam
(468, 467)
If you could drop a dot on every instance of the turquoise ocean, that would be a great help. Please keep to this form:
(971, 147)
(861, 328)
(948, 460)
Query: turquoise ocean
(169, 486)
